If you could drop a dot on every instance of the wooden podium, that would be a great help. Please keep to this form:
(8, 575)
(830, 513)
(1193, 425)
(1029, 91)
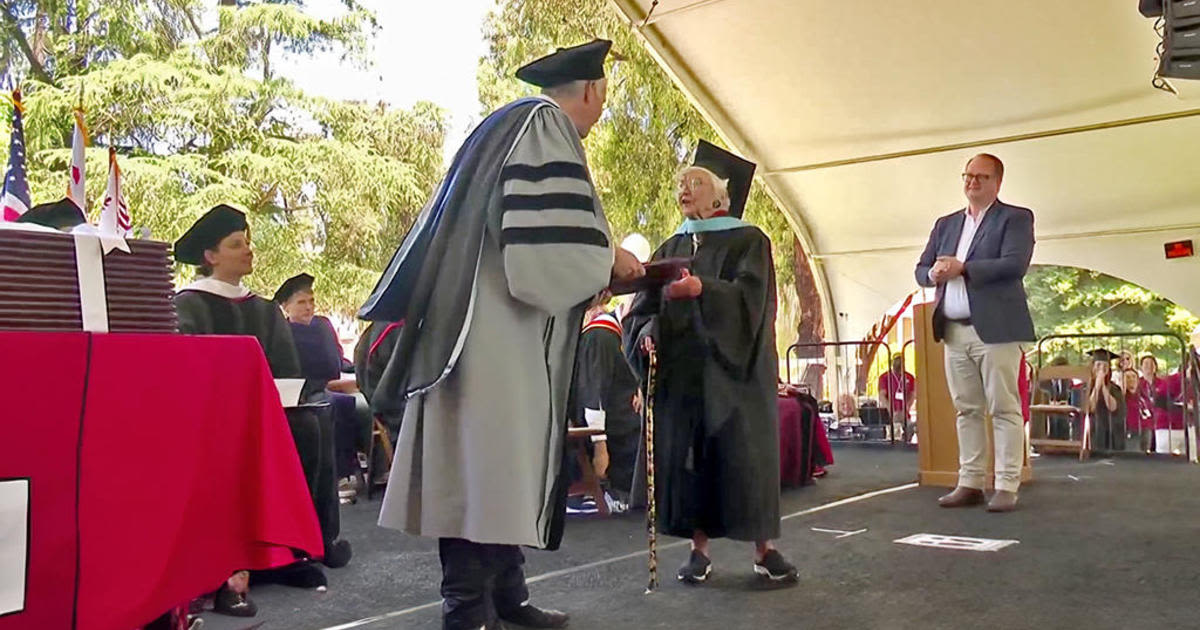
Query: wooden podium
(937, 434)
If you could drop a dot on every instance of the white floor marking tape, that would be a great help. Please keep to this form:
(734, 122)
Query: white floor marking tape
(629, 556)
(841, 532)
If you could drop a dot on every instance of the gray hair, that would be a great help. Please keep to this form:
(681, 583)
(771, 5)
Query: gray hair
(720, 186)
(569, 90)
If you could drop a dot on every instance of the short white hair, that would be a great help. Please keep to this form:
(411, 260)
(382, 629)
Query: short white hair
(720, 186)
(570, 89)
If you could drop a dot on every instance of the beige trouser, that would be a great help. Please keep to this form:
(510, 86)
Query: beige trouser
(983, 380)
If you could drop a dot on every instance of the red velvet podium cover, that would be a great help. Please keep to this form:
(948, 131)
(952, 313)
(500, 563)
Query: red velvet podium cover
(156, 465)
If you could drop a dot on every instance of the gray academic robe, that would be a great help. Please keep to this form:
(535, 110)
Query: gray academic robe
(481, 443)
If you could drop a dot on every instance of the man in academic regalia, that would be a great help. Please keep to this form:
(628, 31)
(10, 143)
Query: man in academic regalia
(716, 436)
(217, 304)
(492, 282)
(606, 398)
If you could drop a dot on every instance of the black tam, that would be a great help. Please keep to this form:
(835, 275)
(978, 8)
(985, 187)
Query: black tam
(291, 286)
(577, 63)
(207, 232)
(60, 215)
(739, 172)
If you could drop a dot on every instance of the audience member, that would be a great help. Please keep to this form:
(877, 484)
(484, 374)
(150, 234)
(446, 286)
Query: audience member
(1139, 425)
(217, 304)
(1103, 406)
(897, 389)
(606, 397)
(321, 362)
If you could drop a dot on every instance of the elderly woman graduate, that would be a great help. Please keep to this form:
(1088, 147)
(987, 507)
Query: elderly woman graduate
(716, 440)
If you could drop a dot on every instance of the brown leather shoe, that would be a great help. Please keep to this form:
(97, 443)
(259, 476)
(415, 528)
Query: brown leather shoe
(961, 497)
(1003, 501)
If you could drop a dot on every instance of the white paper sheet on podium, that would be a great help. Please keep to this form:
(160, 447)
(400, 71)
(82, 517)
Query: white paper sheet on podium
(289, 391)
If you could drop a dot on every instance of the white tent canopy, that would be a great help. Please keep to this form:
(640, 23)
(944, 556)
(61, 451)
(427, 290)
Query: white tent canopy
(824, 94)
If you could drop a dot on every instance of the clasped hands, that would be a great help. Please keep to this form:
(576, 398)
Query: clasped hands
(946, 268)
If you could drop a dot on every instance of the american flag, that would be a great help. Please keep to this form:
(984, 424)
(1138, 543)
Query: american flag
(15, 199)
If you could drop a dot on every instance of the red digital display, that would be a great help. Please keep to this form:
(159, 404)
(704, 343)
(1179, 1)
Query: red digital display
(1178, 249)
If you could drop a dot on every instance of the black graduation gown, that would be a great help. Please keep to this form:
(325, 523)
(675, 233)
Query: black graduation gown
(604, 381)
(203, 313)
(716, 436)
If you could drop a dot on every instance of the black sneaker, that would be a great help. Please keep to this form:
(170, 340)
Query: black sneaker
(696, 570)
(776, 568)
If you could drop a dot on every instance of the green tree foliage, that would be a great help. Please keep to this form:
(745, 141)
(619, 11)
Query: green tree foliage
(646, 134)
(1069, 300)
(187, 93)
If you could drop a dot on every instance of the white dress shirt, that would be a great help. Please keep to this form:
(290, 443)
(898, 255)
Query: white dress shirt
(955, 304)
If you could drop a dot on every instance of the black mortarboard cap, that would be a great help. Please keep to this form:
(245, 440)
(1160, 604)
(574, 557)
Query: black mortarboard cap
(1102, 354)
(206, 233)
(723, 164)
(60, 215)
(291, 286)
(584, 62)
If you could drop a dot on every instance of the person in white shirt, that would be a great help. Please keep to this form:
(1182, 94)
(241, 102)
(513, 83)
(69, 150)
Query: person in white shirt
(977, 258)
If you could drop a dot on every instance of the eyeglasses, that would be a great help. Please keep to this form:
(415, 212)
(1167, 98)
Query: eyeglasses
(690, 183)
(982, 177)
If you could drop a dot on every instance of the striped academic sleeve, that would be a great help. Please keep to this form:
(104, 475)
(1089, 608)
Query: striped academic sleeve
(554, 236)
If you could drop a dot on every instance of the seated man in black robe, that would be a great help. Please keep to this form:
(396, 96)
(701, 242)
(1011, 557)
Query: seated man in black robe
(716, 436)
(217, 304)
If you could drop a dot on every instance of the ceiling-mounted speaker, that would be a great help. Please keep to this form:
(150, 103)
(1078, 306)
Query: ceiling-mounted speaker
(1181, 39)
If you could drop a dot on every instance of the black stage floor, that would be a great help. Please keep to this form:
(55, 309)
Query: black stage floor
(1104, 544)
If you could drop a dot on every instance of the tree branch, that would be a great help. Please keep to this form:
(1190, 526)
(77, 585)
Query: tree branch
(14, 27)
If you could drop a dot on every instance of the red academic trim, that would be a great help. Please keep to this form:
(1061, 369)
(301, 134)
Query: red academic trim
(379, 340)
(606, 322)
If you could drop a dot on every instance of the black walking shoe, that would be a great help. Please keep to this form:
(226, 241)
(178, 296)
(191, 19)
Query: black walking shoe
(300, 574)
(775, 568)
(228, 602)
(337, 554)
(530, 616)
(696, 570)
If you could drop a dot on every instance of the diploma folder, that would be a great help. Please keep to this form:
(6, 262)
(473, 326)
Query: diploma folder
(658, 273)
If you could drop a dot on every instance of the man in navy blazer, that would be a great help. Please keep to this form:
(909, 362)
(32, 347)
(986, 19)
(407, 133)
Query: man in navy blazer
(977, 258)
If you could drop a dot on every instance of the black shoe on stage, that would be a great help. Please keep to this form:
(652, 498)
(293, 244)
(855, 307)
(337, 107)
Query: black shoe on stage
(696, 570)
(301, 574)
(233, 604)
(776, 568)
(530, 616)
(337, 554)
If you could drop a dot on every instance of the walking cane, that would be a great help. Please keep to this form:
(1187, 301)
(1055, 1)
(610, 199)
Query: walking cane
(651, 512)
